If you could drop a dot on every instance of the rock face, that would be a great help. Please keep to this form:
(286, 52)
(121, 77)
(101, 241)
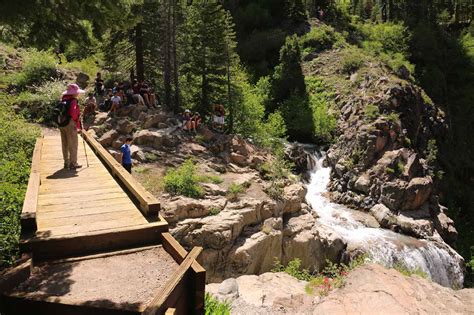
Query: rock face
(370, 289)
(385, 149)
(247, 236)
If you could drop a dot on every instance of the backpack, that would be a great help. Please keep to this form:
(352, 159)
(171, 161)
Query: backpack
(61, 113)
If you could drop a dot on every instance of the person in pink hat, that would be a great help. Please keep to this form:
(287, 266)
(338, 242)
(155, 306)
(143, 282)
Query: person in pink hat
(69, 137)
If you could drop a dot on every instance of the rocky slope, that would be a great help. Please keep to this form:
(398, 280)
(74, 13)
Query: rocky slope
(384, 156)
(370, 289)
(243, 235)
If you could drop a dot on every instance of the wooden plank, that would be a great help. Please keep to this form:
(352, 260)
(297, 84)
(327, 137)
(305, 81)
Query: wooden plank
(61, 201)
(171, 245)
(85, 204)
(71, 229)
(30, 203)
(74, 194)
(50, 247)
(158, 302)
(148, 203)
(90, 186)
(85, 211)
(88, 221)
(170, 311)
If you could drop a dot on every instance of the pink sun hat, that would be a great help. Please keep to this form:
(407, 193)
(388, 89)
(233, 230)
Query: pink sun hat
(73, 89)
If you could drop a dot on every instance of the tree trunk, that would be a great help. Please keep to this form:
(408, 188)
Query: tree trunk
(177, 90)
(167, 66)
(139, 51)
(229, 94)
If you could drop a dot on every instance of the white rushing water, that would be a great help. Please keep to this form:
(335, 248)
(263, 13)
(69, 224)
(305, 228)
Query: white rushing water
(383, 246)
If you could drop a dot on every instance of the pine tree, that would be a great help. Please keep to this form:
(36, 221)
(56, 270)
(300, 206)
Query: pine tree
(204, 60)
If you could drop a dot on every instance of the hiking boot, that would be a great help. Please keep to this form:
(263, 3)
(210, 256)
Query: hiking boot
(74, 166)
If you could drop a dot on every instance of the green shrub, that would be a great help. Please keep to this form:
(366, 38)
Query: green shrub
(213, 306)
(214, 211)
(215, 179)
(234, 191)
(321, 101)
(293, 269)
(17, 139)
(320, 38)
(352, 60)
(88, 66)
(38, 106)
(183, 181)
(38, 67)
(371, 112)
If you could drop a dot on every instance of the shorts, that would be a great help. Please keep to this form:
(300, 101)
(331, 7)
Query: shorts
(219, 120)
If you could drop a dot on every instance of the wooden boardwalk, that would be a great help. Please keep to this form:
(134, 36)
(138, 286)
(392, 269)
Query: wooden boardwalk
(82, 201)
(98, 216)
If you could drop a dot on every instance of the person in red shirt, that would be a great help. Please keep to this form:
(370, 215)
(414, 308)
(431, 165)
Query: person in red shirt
(69, 137)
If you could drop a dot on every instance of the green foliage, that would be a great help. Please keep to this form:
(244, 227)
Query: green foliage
(234, 191)
(38, 105)
(293, 269)
(87, 65)
(183, 181)
(17, 140)
(352, 59)
(321, 38)
(213, 306)
(321, 100)
(38, 67)
(371, 112)
(409, 271)
(214, 211)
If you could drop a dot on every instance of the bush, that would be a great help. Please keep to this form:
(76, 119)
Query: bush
(371, 112)
(38, 106)
(293, 269)
(213, 306)
(17, 139)
(38, 67)
(321, 101)
(321, 38)
(352, 60)
(234, 191)
(183, 181)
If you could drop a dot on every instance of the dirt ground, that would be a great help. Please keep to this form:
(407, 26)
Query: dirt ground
(126, 281)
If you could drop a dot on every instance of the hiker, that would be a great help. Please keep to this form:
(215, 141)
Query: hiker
(126, 154)
(107, 104)
(69, 138)
(186, 120)
(145, 93)
(91, 105)
(137, 98)
(218, 119)
(99, 85)
(196, 120)
(116, 102)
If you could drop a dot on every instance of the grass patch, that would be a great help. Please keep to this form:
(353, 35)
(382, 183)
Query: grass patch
(210, 178)
(150, 178)
(214, 211)
(404, 270)
(352, 60)
(234, 191)
(371, 112)
(213, 306)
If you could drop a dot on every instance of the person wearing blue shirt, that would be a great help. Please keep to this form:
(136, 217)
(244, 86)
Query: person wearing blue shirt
(127, 154)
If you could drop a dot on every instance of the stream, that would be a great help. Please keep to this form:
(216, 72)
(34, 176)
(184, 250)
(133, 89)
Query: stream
(441, 263)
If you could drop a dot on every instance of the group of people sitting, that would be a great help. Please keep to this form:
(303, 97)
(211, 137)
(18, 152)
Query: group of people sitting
(120, 95)
(190, 121)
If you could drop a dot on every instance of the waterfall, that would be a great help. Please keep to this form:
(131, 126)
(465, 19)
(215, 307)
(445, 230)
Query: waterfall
(441, 263)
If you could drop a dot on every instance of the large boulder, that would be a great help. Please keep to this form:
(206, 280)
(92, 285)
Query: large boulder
(125, 126)
(153, 120)
(417, 192)
(156, 138)
(108, 138)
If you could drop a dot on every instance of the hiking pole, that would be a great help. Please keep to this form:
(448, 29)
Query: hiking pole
(84, 143)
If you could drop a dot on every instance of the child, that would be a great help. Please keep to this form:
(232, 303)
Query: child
(126, 155)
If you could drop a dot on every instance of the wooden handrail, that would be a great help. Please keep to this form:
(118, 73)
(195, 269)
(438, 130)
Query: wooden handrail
(159, 301)
(28, 212)
(149, 205)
